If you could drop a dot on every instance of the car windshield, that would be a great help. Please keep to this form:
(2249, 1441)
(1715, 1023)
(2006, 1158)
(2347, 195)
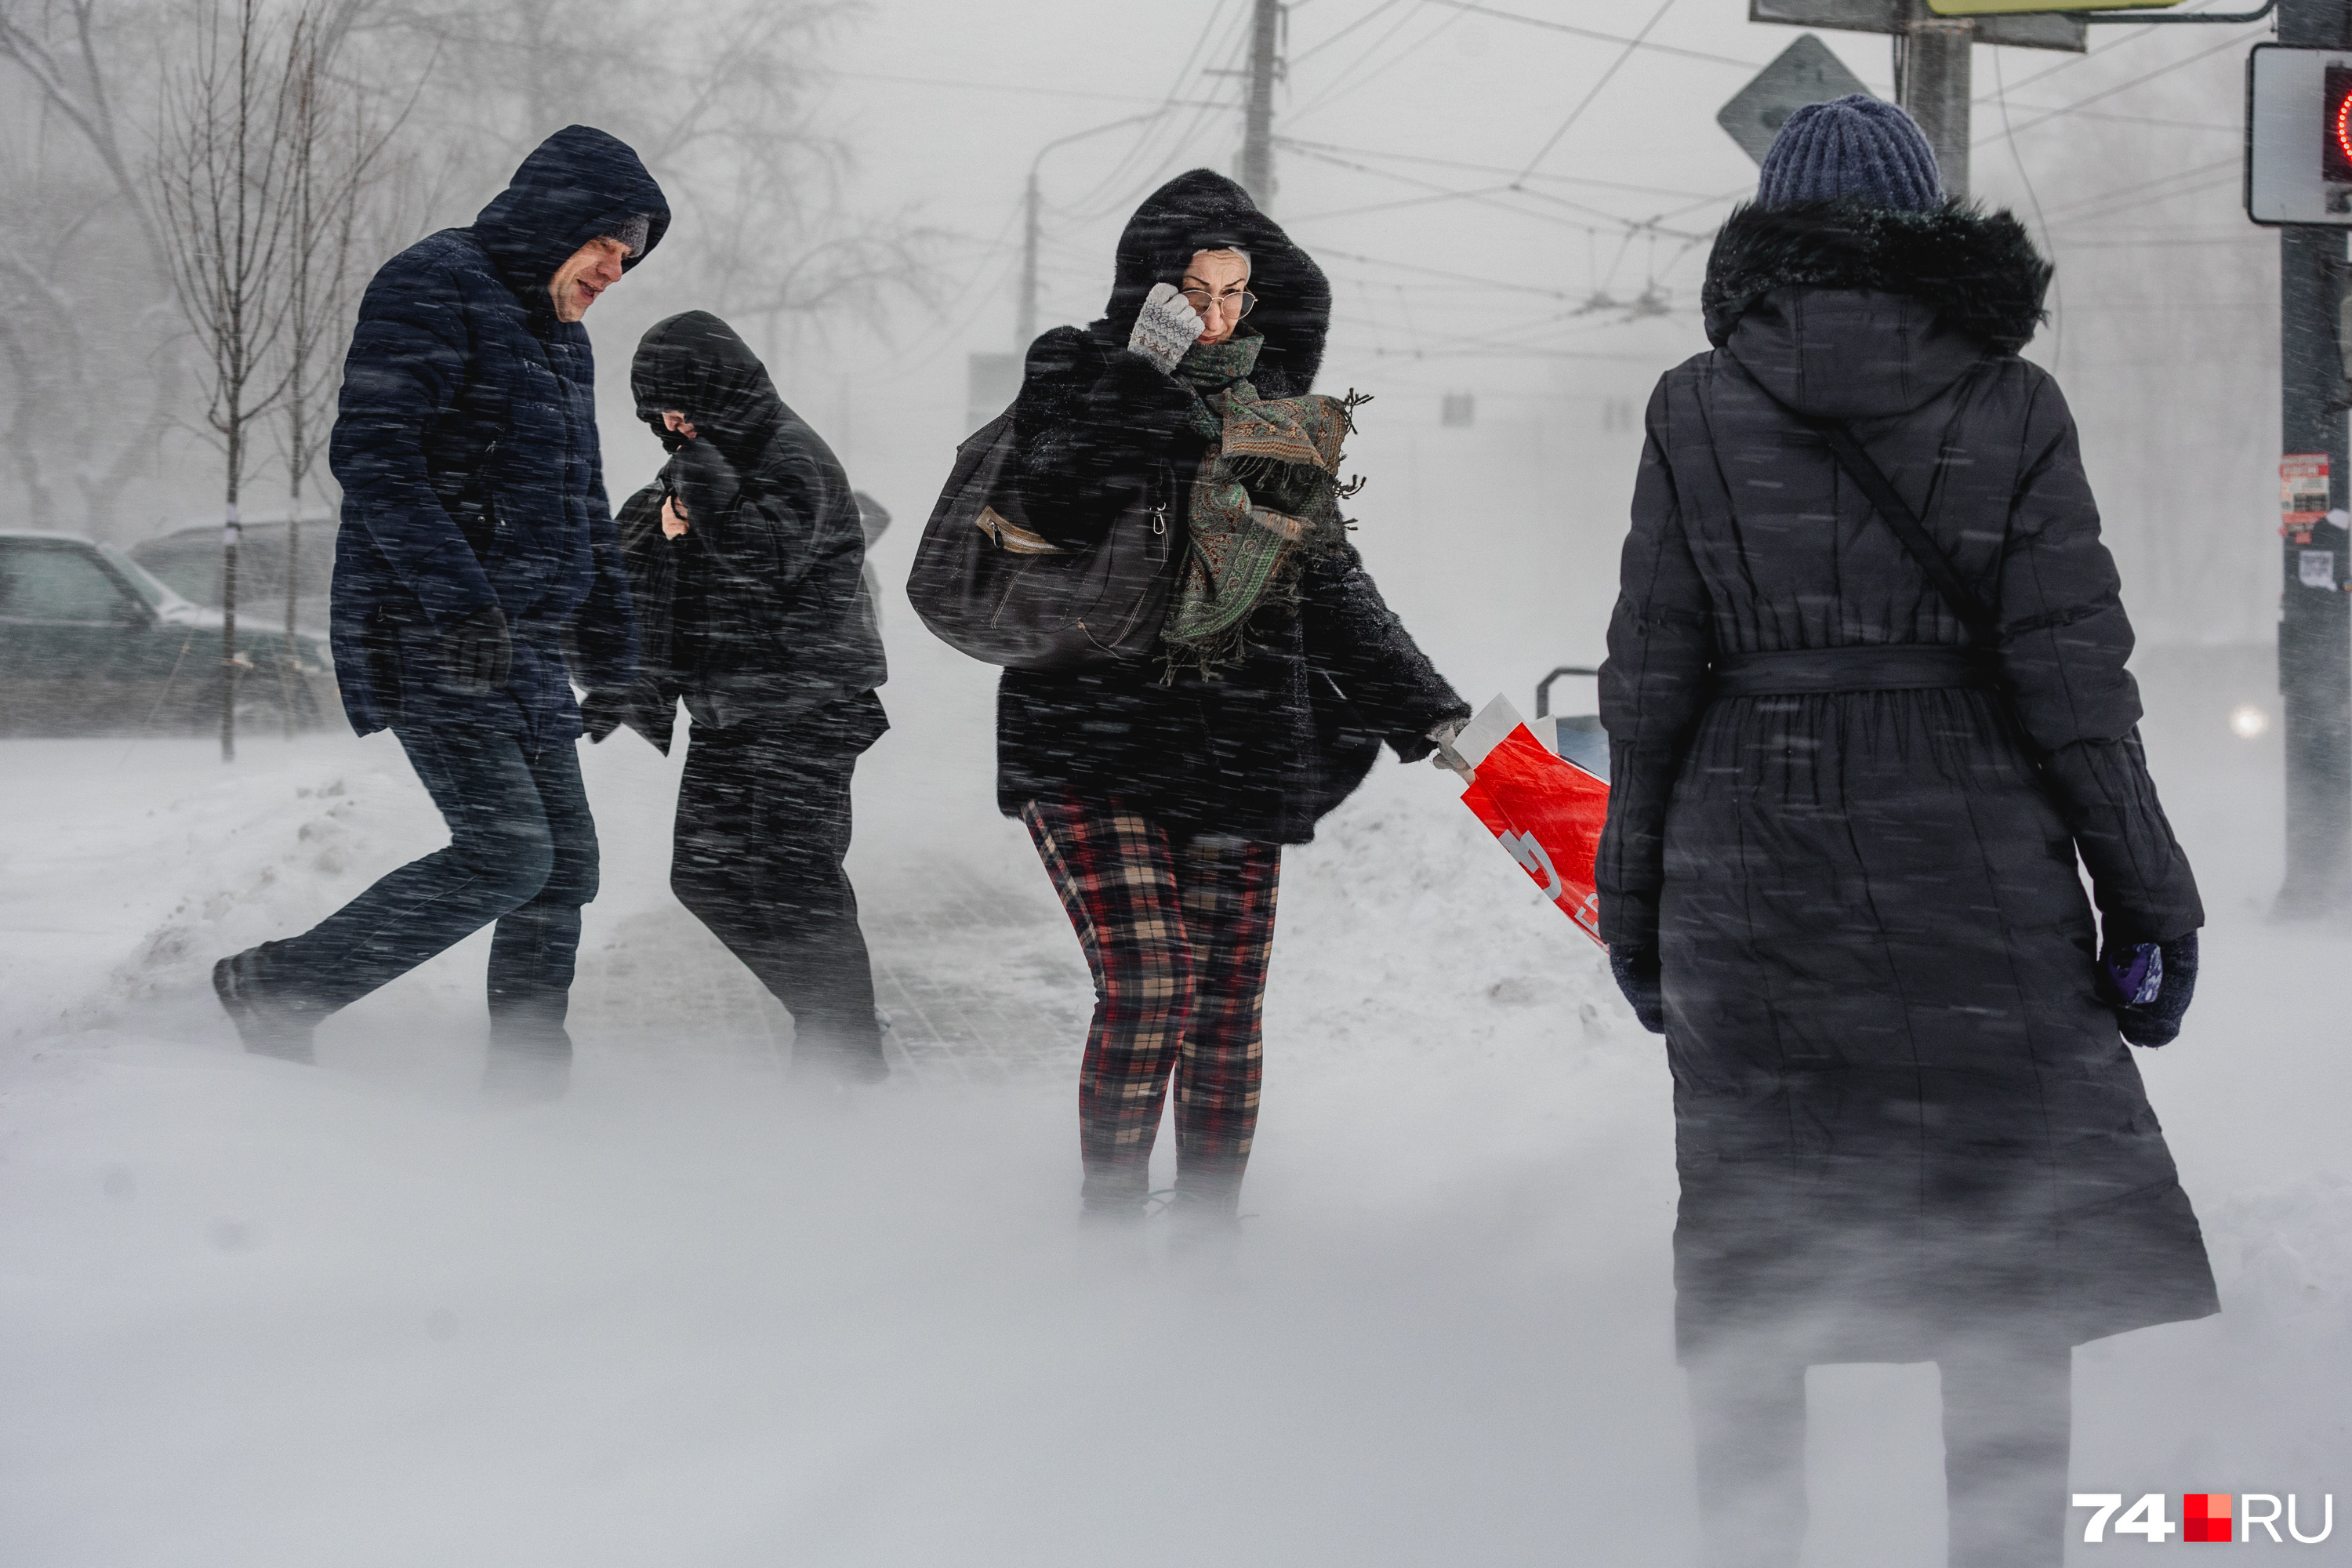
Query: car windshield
(143, 581)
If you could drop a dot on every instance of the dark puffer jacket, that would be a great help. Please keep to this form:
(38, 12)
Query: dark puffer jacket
(1902, 1111)
(466, 445)
(761, 610)
(1261, 751)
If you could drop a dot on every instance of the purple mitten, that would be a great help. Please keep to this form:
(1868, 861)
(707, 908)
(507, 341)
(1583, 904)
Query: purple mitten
(2149, 984)
(2137, 975)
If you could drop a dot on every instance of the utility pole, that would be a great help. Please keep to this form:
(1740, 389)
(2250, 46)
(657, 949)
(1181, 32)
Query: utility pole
(1257, 112)
(1025, 330)
(1932, 83)
(2314, 636)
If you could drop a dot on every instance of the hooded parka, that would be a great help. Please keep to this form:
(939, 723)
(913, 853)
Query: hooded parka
(1262, 750)
(760, 611)
(1903, 1112)
(466, 447)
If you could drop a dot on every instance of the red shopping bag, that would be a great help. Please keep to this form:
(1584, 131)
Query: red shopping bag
(1545, 810)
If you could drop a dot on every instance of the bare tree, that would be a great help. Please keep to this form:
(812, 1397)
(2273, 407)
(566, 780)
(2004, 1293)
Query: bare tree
(335, 147)
(723, 104)
(94, 284)
(721, 109)
(222, 173)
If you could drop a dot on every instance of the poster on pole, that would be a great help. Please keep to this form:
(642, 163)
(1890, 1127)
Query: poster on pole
(2303, 494)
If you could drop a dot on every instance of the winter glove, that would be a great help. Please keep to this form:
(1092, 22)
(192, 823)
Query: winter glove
(2149, 985)
(1637, 976)
(1445, 756)
(480, 652)
(1166, 329)
(704, 484)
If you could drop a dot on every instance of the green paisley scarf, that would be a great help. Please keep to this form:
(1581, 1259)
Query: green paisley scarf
(1266, 499)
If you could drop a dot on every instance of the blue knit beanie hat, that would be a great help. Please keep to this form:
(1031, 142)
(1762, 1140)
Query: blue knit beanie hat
(1856, 148)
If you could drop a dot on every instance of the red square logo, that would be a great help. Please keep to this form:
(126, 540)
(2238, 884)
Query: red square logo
(2205, 1516)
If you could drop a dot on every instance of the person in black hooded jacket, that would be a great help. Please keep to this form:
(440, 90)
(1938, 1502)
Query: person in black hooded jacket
(1839, 872)
(1159, 796)
(476, 563)
(747, 557)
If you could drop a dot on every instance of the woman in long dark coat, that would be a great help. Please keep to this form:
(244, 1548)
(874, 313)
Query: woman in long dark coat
(746, 561)
(1840, 870)
(1159, 796)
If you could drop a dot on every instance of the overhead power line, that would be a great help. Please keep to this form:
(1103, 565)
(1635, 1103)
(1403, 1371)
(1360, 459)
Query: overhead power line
(1322, 251)
(1313, 49)
(1185, 75)
(2182, 185)
(1586, 102)
(1638, 42)
(1336, 147)
(1026, 91)
(1354, 76)
(1485, 196)
(2231, 42)
(2105, 198)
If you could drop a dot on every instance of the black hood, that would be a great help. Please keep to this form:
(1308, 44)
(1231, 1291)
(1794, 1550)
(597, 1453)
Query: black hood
(578, 184)
(694, 363)
(1978, 273)
(1204, 210)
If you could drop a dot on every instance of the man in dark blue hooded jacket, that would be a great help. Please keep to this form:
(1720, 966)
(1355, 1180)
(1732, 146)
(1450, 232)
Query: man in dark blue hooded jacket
(476, 568)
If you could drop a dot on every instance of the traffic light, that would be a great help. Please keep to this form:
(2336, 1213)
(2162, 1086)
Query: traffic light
(2299, 135)
(2335, 138)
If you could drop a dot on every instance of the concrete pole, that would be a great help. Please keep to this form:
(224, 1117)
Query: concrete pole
(2314, 646)
(1025, 330)
(1932, 72)
(1257, 114)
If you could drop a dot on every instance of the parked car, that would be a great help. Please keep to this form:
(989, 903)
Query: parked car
(92, 644)
(188, 559)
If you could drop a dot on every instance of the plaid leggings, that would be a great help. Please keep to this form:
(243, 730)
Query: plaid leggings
(1177, 935)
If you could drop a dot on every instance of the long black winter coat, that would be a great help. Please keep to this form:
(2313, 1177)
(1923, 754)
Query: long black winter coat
(1261, 751)
(466, 445)
(760, 611)
(1902, 1111)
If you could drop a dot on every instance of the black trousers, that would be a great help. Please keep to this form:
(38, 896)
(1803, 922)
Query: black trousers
(763, 822)
(521, 852)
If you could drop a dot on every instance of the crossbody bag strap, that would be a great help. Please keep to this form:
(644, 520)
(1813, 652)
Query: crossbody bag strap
(1916, 542)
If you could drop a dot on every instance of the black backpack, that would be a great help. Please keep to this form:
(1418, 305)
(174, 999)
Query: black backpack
(990, 586)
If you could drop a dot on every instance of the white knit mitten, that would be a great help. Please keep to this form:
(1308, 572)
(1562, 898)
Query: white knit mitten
(1167, 328)
(1446, 756)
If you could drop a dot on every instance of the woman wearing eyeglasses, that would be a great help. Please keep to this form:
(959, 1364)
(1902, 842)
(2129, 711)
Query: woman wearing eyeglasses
(1159, 797)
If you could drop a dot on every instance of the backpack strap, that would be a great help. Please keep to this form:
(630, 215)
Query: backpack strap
(1918, 543)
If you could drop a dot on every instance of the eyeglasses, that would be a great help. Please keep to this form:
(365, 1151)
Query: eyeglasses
(1240, 304)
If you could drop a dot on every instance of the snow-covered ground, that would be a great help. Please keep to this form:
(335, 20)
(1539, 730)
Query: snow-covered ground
(259, 1315)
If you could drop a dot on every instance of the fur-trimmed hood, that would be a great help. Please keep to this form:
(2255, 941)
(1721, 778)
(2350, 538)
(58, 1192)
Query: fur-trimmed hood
(1979, 272)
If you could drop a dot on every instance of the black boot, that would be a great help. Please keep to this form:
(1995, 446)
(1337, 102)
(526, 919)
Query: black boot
(270, 1025)
(1206, 1212)
(1116, 1195)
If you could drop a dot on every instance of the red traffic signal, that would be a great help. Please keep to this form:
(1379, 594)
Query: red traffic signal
(2335, 140)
